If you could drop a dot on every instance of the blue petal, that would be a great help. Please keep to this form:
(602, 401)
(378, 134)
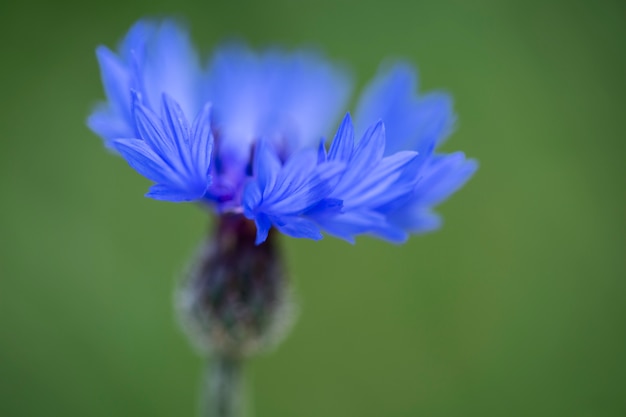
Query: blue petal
(412, 122)
(113, 119)
(369, 181)
(288, 99)
(144, 160)
(321, 152)
(251, 199)
(172, 66)
(299, 227)
(115, 79)
(416, 219)
(389, 180)
(390, 233)
(286, 195)
(325, 207)
(202, 141)
(303, 194)
(151, 130)
(313, 96)
(293, 182)
(133, 46)
(177, 128)
(443, 177)
(351, 223)
(266, 167)
(180, 165)
(108, 125)
(165, 193)
(292, 188)
(343, 143)
(154, 58)
(371, 147)
(263, 226)
(365, 157)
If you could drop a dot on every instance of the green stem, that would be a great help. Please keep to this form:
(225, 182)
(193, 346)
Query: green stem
(225, 388)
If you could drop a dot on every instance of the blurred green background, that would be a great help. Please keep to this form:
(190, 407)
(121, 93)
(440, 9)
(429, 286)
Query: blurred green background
(517, 307)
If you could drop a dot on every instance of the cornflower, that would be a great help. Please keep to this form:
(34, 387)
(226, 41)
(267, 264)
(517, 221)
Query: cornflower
(244, 137)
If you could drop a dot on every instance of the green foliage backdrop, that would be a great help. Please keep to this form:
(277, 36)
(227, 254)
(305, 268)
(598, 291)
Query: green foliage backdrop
(515, 308)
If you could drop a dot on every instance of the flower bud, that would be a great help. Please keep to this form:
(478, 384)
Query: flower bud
(235, 300)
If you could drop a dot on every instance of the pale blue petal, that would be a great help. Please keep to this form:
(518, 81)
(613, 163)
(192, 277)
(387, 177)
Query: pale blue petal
(444, 177)
(154, 58)
(116, 81)
(348, 225)
(291, 100)
(415, 219)
(107, 124)
(171, 66)
(412, 122)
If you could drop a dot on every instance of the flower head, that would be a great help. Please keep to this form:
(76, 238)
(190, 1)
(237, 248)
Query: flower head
(255, 146)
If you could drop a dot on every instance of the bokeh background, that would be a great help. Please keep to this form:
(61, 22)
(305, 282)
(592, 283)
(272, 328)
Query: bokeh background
(517, 307)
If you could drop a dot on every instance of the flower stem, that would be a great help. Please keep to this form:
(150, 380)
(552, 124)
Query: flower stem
(225, 387)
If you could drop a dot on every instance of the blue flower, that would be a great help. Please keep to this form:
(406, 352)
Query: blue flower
(258, 151)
